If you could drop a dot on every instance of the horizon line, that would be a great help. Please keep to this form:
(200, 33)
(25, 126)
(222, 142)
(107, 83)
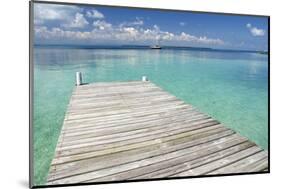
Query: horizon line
(163, 46)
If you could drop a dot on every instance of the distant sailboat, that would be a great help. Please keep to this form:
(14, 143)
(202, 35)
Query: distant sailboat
(157, 46)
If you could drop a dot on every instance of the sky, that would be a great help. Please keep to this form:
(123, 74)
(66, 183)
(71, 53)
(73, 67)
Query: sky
(101, 25)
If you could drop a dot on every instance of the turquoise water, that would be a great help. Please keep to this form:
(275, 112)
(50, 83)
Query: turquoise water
(230, 86)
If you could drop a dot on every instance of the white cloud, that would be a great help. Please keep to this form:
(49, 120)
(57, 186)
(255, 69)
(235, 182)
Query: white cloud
(255, 31)
(187, 37)
(104, 31)
(206, 40)
(102, 25)
(44, 12)
(58, 33)
(78, 22)
(95, 14)
(182, 23)
(123, 34)
(137, 22)
(201, 39)
(156, 28)
(71, 17)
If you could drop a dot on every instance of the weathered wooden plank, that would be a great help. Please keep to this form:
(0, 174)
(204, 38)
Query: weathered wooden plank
(144, 136)
(116, 92)
(137, 154)
(119, 101)
(205, 169)
(192, 154)
(159, 109)
(136, 130)
(137, 122)
(129, 96)
(126, 110)
(88, 136)
(187, 165)
(62, 159)
(147, 93)
(145, 162)
(127, 117)
(256, 162)
(184, 132)
(130, 120)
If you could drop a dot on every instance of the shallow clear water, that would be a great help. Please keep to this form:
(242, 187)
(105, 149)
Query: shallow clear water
(232, 87)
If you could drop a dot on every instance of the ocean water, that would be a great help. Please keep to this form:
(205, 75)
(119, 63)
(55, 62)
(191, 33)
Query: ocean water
(232, 87)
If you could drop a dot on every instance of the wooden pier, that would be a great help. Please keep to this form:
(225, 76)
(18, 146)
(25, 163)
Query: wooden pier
(135, 130)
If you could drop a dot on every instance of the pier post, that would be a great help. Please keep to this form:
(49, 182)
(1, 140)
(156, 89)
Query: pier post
(78, 78)
(144, 78)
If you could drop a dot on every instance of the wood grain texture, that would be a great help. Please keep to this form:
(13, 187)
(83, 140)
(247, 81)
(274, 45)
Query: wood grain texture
(135, 130)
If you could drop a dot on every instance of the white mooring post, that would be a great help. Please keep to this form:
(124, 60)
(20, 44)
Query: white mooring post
(144, 78)
(78, 78)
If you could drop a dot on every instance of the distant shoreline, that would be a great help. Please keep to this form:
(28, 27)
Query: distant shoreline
(146, 47)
